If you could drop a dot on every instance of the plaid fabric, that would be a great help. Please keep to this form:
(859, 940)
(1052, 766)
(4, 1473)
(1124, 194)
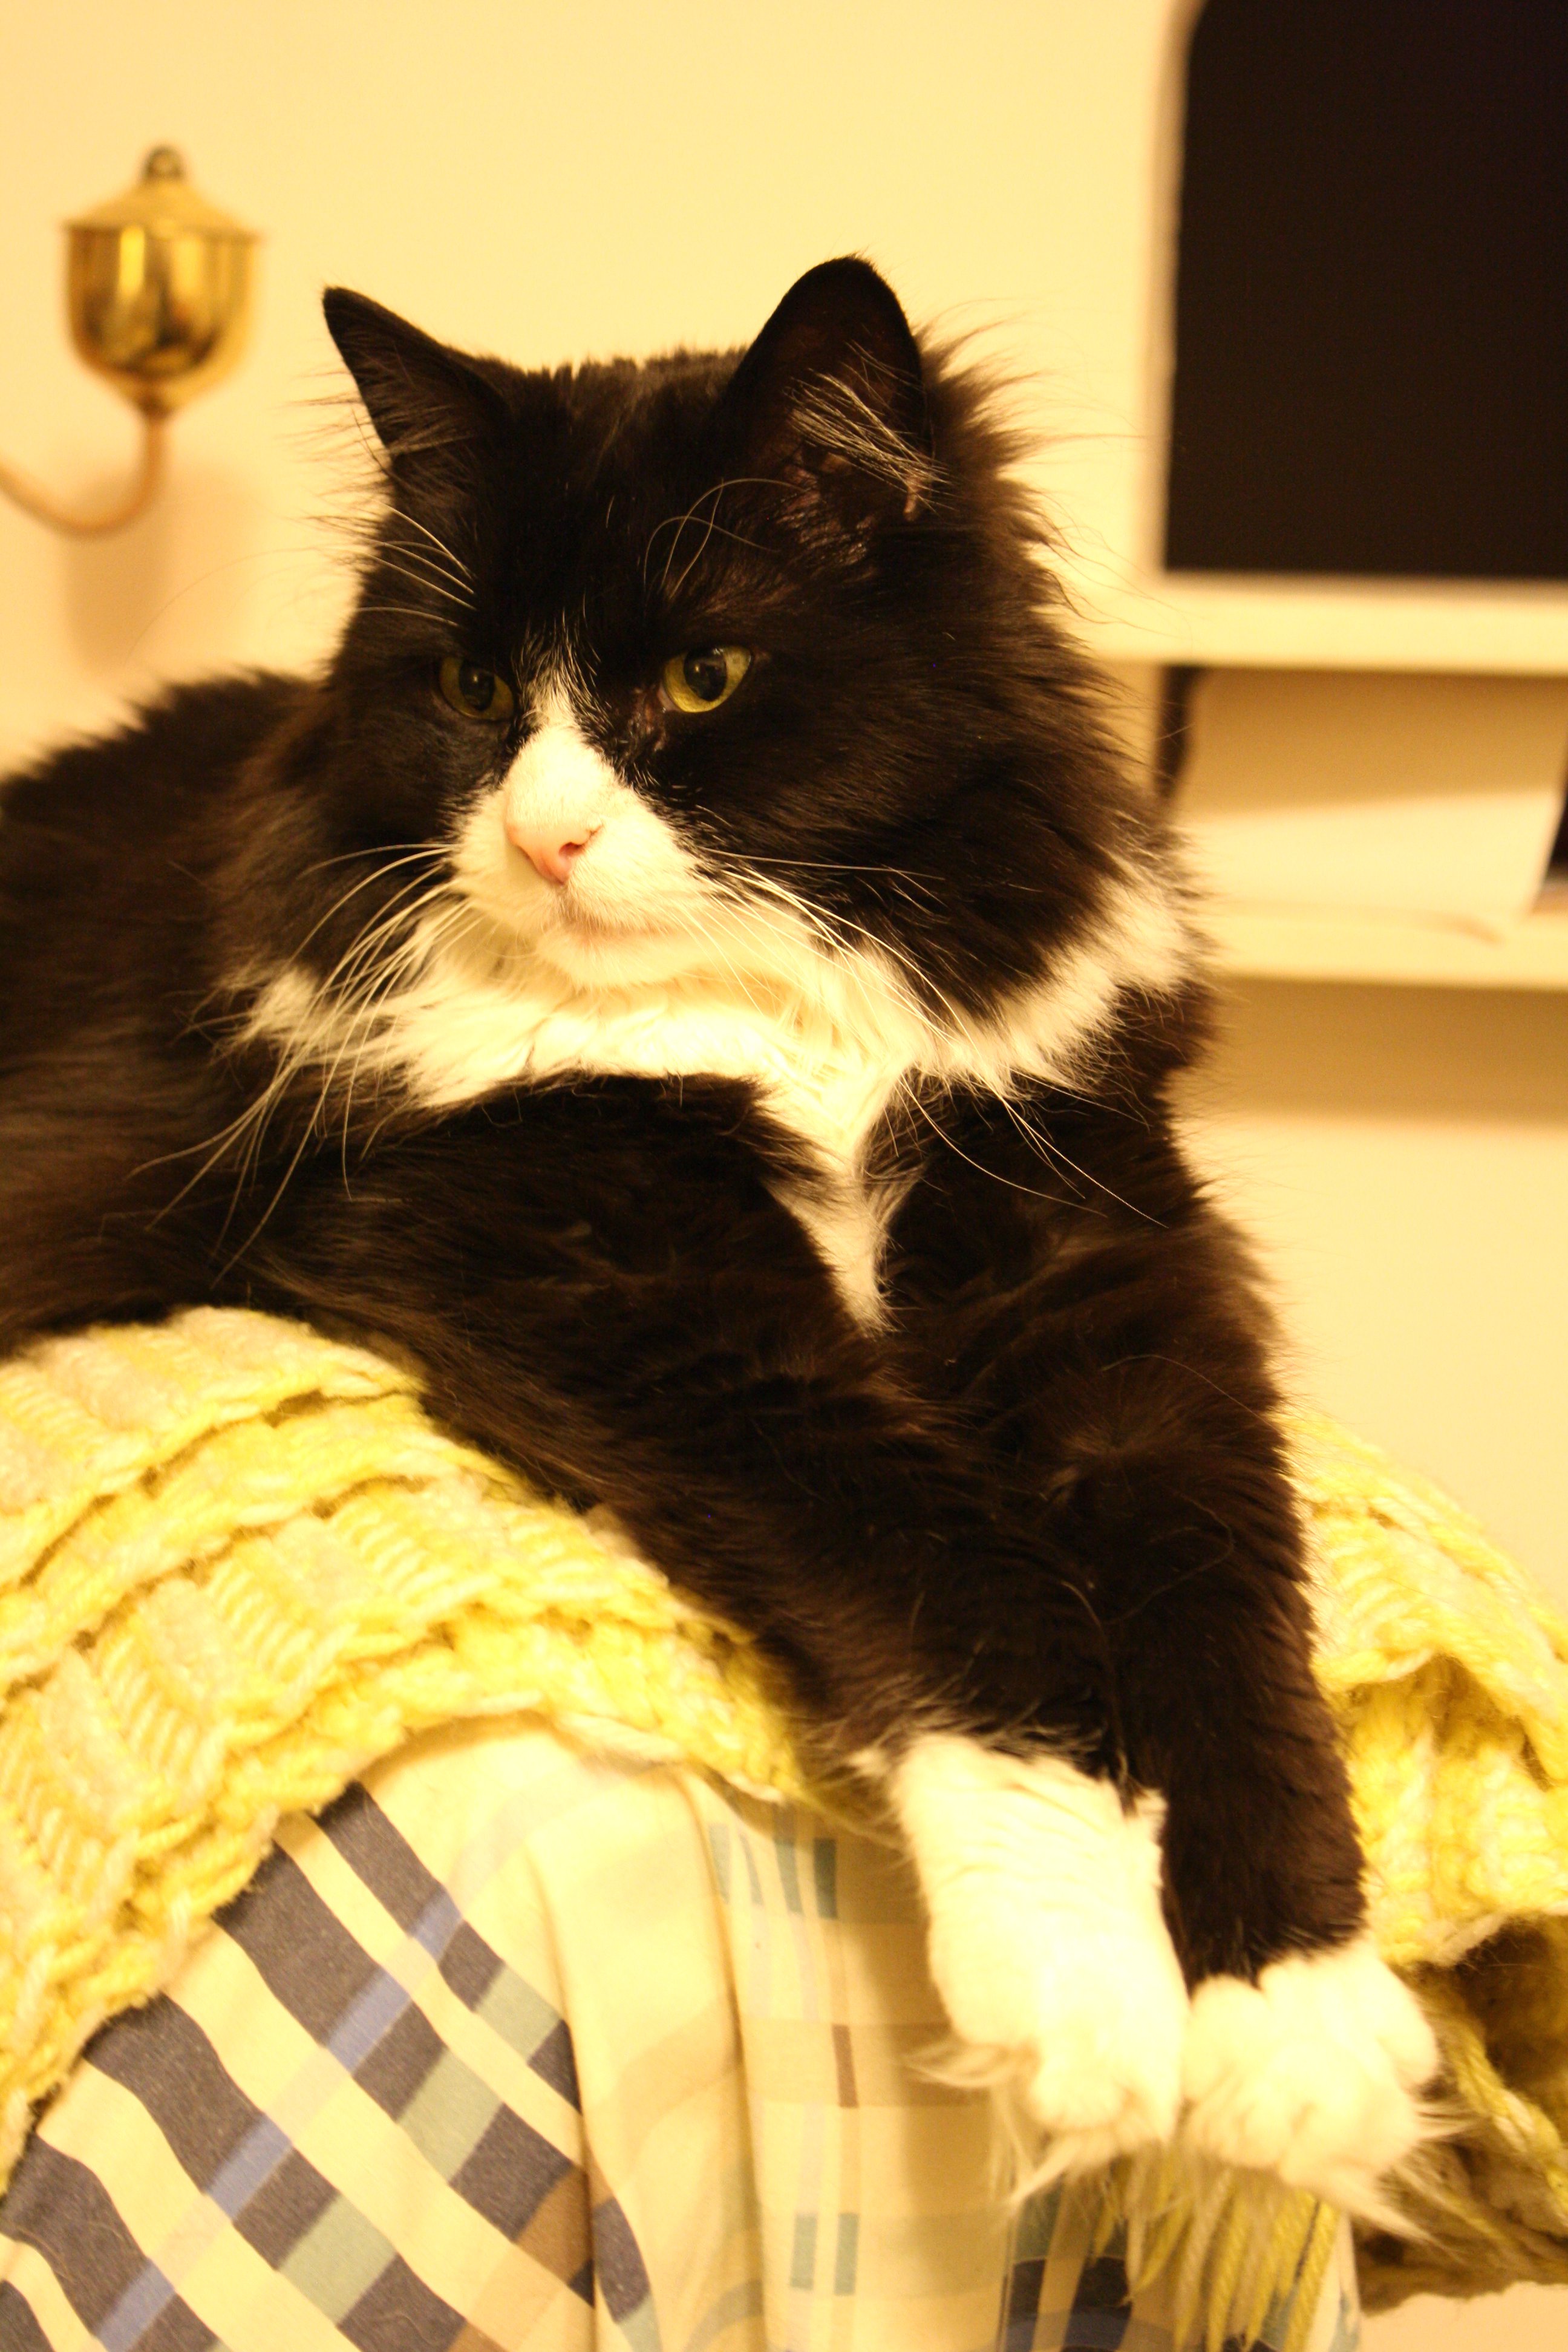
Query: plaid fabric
(516, 2046)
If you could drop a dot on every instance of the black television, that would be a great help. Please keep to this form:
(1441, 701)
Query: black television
(1371, 309)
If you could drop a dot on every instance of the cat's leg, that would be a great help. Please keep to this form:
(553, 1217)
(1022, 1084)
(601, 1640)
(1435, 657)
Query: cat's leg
(1048, 1944)
(1114, 1349)
(1304, 2054)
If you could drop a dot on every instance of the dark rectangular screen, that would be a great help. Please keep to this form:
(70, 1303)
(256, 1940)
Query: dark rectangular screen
(1372, 296)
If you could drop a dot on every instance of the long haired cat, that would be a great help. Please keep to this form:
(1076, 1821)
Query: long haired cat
(692, 975)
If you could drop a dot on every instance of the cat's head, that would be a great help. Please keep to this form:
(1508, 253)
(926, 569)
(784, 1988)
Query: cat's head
(723, 661)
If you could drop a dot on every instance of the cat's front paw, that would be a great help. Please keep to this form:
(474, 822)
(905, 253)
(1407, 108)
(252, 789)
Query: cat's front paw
(1048, 1946)
(1076, 2030)
(1311, 2074)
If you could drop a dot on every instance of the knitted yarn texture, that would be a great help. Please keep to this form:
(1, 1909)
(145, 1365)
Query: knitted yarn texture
(238, 1565)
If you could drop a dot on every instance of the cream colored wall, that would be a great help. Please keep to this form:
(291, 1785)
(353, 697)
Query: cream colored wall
(551, 183)
(1401, 1156)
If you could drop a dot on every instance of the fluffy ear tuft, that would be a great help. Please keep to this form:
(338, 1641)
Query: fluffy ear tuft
(830, 398)
(425, 400)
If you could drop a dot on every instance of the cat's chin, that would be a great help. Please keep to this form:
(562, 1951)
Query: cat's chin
(607, 955)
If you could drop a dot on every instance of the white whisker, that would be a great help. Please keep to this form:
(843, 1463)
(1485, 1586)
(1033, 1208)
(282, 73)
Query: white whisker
(409, 612)
(423, 580)
(451, 554)
(454, 567)
(679, 522)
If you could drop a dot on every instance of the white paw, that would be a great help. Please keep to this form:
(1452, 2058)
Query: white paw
(1309, 2073)
(1047, 1945)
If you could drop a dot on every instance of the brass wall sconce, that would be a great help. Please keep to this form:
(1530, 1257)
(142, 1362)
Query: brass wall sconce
(158, 284)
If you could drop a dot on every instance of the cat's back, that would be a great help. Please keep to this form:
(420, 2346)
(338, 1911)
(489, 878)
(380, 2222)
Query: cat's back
(106, 846)
(111, 908)
(141, 783)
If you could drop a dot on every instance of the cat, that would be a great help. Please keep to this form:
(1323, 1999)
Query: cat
(692, 975)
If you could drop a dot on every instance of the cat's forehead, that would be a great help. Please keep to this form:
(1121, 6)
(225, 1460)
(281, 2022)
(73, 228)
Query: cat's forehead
(610, 487)
(582, 434)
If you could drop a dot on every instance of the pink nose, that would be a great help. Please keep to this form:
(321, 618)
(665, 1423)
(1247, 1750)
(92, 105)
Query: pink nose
(551, 849)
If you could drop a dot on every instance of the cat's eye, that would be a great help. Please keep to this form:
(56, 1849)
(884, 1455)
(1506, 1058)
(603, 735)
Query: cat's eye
(473, 692)
(704, 677)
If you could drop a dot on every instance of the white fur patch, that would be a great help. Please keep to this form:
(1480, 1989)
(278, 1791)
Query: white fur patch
(642, 964)
(1309, 2073)
(1047, 1943)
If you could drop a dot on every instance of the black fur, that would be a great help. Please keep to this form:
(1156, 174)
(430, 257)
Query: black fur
(1046, 1502)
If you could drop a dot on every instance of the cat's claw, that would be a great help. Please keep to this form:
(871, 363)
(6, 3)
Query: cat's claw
(1311, 2073)
(1049, 1947)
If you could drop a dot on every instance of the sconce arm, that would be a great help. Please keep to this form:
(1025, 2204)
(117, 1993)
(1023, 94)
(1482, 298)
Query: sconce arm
(135, 500)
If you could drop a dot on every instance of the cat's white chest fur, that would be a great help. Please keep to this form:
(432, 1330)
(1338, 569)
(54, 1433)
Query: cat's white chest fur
(650, 961)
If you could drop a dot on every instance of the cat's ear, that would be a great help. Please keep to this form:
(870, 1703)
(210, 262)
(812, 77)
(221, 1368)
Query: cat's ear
(830, 400)
(426, 402)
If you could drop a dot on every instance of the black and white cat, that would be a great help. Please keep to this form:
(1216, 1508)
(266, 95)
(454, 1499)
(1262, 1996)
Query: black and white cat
(692, 975)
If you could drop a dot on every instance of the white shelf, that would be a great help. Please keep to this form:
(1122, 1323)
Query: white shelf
(1214, 622)
(1286, 943)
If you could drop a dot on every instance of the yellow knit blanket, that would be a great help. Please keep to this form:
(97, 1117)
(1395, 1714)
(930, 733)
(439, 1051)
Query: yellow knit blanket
(238, 1565)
